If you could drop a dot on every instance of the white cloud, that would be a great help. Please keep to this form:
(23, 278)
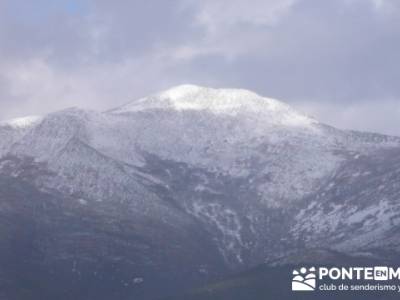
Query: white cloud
(42, 87)
(234, 27)
(220, 15)
(380, 6)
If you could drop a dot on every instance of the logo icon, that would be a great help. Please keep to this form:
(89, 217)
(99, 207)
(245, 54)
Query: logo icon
(304, 279)
(381, 273)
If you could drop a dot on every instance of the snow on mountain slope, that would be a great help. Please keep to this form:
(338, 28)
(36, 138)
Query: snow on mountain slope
(23, 122)
(12, 130)
(358, 208)
(225, 131)
(241, 165)
(220, 101)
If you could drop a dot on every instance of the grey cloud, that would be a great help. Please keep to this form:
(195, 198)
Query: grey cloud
(326, 57)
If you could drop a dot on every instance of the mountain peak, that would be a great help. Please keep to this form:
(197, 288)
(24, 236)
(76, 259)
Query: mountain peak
(20, 123)
(195, 92)
(218, 101)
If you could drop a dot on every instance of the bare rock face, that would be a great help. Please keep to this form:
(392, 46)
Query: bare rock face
(181, 187)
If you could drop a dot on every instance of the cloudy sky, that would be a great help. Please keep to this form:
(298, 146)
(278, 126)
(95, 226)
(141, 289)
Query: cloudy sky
(338, 60)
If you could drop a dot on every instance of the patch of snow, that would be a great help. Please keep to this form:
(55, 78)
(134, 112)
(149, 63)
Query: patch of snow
(228, 224)
(24, 122)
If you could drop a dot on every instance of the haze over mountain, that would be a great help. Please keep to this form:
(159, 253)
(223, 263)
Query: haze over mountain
(182, 187)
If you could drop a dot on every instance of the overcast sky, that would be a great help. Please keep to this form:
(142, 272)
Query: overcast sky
(336, 60)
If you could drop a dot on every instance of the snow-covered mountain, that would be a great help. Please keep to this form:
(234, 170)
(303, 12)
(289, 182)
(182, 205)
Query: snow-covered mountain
(230, 178)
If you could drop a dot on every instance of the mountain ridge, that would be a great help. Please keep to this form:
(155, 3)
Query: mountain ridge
(255, 186)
